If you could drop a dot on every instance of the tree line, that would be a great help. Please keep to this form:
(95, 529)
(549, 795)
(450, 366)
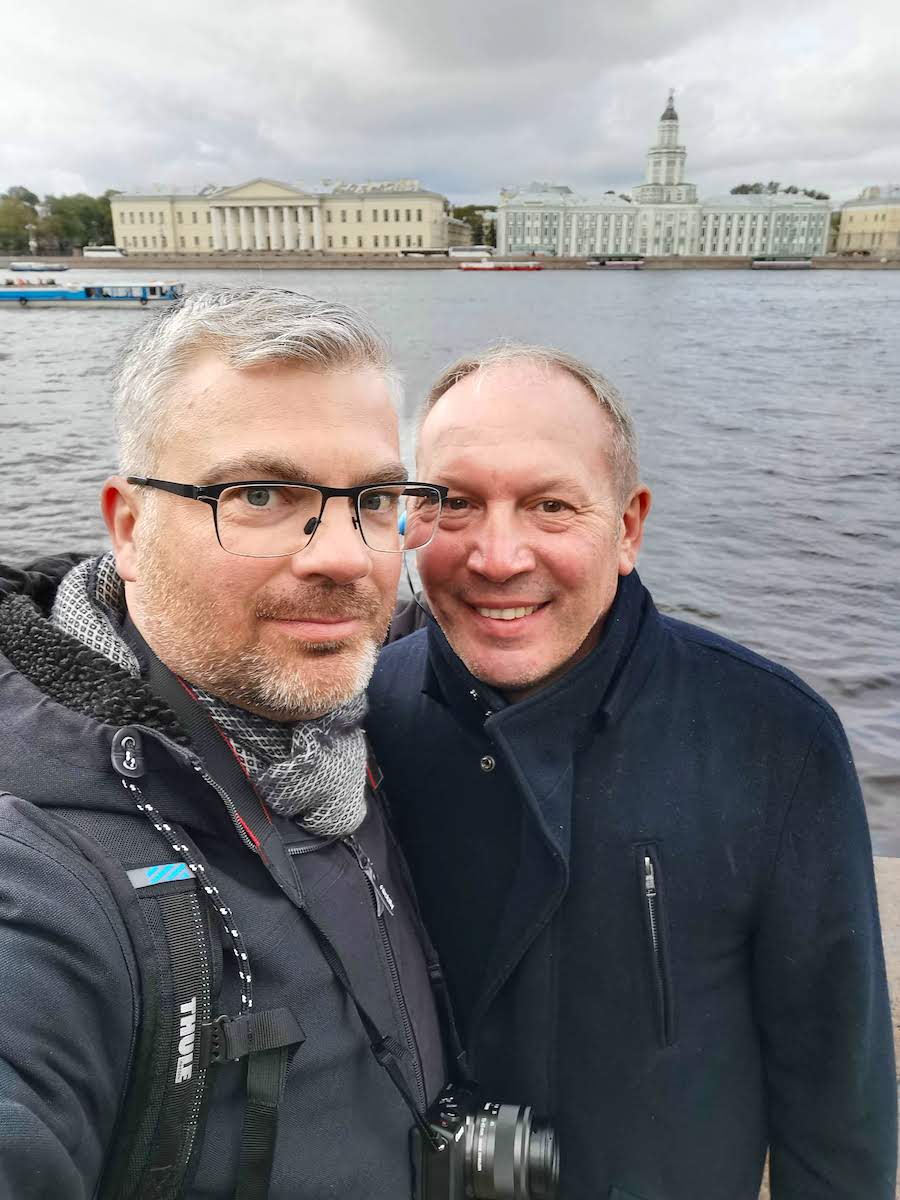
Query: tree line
(56, 224)
(773, 188)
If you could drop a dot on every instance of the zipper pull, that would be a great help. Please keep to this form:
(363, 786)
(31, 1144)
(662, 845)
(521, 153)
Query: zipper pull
(649, 876)
(380, 893)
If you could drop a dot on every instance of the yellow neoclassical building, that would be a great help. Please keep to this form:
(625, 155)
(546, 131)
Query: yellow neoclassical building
(871, 222)
(265, 216)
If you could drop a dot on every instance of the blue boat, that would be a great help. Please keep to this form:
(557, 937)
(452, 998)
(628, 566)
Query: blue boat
(94, 295)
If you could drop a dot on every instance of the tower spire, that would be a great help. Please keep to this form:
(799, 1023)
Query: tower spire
(670, 114)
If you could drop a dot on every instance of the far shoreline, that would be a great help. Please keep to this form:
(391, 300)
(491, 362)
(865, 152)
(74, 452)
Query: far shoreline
(324, 261)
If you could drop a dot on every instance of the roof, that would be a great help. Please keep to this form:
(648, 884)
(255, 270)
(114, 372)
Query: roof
(670, 114)
(763, 201)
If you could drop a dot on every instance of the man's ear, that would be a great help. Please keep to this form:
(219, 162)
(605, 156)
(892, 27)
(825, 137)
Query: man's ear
(632, 530)
(120, 506)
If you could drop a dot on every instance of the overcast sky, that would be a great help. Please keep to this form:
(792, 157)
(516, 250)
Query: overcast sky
(468, 96)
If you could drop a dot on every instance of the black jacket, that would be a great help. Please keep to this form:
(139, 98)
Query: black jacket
(70, 984)
(651, 887)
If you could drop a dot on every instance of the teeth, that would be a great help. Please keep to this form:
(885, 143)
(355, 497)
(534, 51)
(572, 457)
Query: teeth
(507, 614)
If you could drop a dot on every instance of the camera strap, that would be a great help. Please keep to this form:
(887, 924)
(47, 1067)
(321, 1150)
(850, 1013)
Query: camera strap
(265, 1086)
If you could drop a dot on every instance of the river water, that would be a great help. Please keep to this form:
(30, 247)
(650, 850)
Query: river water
(768, 407)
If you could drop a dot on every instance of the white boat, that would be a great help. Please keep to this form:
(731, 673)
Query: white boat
(115, 294)
(37, 266)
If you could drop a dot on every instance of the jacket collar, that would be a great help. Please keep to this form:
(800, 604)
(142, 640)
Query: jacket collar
(597, 687)
(538, 737)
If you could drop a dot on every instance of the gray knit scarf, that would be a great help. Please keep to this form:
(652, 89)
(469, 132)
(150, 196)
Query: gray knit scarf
(313, 771)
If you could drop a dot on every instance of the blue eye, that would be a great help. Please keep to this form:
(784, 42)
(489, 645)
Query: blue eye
(258, 497)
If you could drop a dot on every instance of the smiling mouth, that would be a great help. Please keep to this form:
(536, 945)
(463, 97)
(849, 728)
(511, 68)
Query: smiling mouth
(508, 614)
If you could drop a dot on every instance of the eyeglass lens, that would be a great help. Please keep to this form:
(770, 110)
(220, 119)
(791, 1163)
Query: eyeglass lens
(269, 520)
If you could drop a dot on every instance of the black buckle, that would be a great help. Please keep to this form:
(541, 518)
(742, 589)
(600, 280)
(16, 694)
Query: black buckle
(214, 1041)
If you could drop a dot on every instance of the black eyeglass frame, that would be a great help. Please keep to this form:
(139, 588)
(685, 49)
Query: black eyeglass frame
(210, 493)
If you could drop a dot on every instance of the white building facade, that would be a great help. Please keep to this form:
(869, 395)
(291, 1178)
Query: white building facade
(660, 216)
(266, 216)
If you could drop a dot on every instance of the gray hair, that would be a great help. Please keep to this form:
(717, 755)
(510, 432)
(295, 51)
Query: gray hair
(624, 454)
(247, 327)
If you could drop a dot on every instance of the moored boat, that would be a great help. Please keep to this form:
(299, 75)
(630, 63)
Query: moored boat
(92, 295)
(773, 262)
(617, 262)
(37, 266)
(490, 265)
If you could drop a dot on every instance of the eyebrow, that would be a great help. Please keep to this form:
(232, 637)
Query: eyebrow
(267, 466)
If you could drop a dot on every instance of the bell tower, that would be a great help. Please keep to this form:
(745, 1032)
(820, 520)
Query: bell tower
(664, 174)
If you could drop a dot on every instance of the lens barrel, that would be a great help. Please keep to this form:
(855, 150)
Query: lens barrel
(509, 1155)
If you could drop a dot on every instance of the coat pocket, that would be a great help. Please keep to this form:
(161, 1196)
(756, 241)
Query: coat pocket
(652, 895)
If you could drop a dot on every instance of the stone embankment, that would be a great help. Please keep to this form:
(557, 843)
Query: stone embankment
(319, 260)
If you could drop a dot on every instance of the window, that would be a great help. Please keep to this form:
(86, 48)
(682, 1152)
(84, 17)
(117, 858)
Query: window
(210, 243)
(330, 242)
(194, 216)
(180, 220)
(343, 214)
(181, 242)
(397, 241)
(408, 240)
(328, 215)
(343, 241)
(144, 242)
(151, 216)
(387, 214)
(418, 214)
(153, 242)
(163, 242)
(131, 218)
(359, 214)
(408, 215)
(141, 216)
(375, 241)
(196, 241)
(419, 240)
(396, 214)
(375, 214)
(208, 217)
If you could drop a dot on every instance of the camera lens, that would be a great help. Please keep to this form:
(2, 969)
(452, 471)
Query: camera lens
(509, 1156)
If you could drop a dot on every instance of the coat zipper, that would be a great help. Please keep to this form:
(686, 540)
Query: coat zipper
(384, 904)
(662, 983)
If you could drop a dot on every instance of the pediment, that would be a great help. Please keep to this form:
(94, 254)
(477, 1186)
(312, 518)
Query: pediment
(260, 190)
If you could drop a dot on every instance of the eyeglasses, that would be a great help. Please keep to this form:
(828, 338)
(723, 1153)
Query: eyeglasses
(270, 518)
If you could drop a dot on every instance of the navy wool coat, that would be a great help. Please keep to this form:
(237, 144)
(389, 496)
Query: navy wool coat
(651, 886)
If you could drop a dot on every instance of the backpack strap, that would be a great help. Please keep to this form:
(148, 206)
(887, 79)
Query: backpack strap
(161, 1121)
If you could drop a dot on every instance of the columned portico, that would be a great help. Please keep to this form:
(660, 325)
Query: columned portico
(259, 231)
(318, 242)
(244, 215)
(303, 227)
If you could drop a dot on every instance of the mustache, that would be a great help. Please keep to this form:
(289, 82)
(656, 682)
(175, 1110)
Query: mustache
(342, 601)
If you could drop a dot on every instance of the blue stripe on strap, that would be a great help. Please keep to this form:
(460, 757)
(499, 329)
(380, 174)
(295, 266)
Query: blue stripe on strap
(143, 877)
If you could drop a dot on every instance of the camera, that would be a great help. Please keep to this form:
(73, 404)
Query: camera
(481, 1150)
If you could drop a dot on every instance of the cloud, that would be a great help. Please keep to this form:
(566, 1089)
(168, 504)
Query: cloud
(467, 98)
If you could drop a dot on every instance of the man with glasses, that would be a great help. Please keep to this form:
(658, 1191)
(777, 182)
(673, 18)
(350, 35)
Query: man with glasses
(640, 849)
(206, 679)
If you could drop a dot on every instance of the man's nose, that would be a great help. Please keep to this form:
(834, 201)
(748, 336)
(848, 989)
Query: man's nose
(336, 551)
(499, 549)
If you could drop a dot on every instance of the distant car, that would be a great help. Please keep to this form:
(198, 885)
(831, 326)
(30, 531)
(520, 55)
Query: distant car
(855, 253)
